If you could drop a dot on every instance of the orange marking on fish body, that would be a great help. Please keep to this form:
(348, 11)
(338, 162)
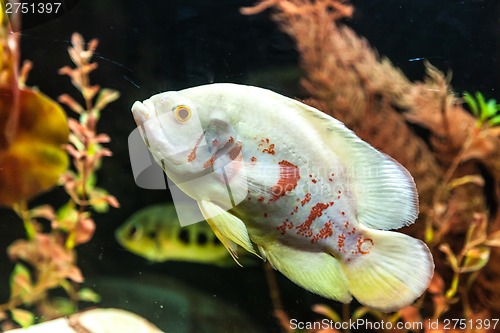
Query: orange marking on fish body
(316, 211)
(269, 150)
(341, 242)
(209, 163)
(363, 246)
(235, 151)
(288, 180)
(192, 155)
(295, 210)
(306, 199)
(325, 232)
(284, 226)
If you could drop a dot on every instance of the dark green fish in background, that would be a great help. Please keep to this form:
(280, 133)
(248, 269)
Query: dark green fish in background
(155, 234)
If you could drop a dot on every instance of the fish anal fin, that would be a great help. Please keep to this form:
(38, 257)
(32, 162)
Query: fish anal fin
(230, 230)
(392, 274)
(317, 272)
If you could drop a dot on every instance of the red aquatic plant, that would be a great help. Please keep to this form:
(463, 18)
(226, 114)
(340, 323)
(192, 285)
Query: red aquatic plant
(47, 260)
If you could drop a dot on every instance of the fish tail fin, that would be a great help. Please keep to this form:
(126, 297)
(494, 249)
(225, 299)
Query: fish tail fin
(391, 271)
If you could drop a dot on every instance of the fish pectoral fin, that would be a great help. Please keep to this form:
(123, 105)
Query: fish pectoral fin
(230, 230)
(317, 272)
(392, 272)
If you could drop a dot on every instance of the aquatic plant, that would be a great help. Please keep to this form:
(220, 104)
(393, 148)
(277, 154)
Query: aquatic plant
(346, 78)
(46, 260)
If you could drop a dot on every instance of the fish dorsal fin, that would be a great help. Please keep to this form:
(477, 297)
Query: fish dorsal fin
(230, 230)
(385, 193)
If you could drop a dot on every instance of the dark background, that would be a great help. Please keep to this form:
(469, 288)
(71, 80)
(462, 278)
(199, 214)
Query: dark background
(147, 47)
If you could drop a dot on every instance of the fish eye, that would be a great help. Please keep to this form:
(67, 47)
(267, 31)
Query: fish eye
(132, 232)
(182, 113)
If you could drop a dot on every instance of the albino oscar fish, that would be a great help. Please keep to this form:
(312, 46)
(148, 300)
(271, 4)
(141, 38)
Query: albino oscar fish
(273, 175)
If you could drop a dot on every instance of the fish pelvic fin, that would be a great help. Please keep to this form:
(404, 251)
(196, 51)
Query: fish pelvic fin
(317, 272)
(391, 272)
(229, 229)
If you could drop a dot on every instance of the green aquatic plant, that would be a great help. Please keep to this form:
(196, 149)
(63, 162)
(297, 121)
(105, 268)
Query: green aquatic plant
(486, 111)
(46, 260)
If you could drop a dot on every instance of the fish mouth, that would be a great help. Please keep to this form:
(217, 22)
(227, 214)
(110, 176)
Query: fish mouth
(143, 112)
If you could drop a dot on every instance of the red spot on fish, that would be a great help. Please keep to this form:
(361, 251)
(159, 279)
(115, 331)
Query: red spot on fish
(306, 199)
(261, 199)
(235, 151)
(316, 211)
(269, 150)
(284, 226)
(192, 155)
(295, 210)
(253, 159)
(341, 242)
(314, 181)
(346, 225)
(343, 213)
(209, 163)
(325, 232)
(364, 245)
(231, 139)
(289, 177)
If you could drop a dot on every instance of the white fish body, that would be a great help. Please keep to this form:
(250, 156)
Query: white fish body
(314, 198)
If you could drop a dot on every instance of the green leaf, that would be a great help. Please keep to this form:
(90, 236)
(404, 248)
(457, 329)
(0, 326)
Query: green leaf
(98, 200)
(20, 281)
(494, 121)
(475, 259)
(482, 105)
(23, 317)
(67, 216)
(62, 306)
(105, 97)
(472, 103)
(88, 295)
(490, 108)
